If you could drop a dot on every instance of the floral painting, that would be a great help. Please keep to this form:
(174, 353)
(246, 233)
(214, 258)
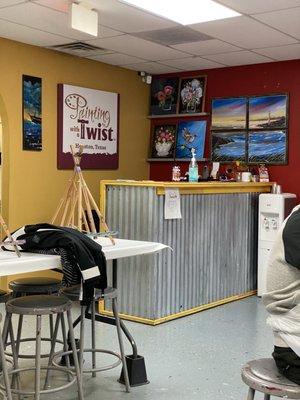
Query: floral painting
(268, 147)
(190, 134)
(268, 112)
(163, 143)
(32, 113)
(164, 92)
(228, 146)
(229, 113)
(191, 95)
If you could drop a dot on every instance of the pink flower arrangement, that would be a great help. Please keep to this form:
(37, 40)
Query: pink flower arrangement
(164, 135)
(165, 96)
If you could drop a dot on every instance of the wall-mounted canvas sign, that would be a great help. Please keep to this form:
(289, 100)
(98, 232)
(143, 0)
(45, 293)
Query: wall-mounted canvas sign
(268, 112)
(90, 118)
(190, 134)
(191, 95)
(229, 113)
(32, 113)
(163, 141)
(228, 146)
(164, 93)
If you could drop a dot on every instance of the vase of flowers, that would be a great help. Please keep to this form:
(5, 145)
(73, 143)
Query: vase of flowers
(191, 95)
(165, 98)
(164, 140)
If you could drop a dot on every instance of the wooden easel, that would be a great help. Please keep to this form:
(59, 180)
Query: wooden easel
(75, 207)
(10, 241)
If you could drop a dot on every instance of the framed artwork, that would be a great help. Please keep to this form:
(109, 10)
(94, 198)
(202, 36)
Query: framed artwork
(90, 118)
(191, 95)
(268, 112)
(228, 146)
(268, 147)
(229, 113)
(163, 141)
(164, 92)
(190, 134)
(32, 113)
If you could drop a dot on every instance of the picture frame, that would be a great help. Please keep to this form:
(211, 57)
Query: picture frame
(191, 96)
(229, 146)
(229, 113)
(164, 93)
(163, 141)
(32, 113)
(268, 112)
(190, 134)
(267, 147)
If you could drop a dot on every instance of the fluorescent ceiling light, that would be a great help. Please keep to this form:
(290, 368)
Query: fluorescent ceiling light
(84, 19)
(185, 12)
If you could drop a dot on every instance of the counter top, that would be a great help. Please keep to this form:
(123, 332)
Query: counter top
(209, 187)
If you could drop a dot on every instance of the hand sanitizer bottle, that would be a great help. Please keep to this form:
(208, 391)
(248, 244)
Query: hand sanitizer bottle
(193, 168)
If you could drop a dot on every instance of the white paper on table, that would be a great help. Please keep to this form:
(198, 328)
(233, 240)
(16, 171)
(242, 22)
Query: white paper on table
(215, 169)
(172, 204)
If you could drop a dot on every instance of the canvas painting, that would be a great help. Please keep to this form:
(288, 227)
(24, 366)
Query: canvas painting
(164, 92)
(228, 146)
(268, 112)
(32, 113)
(229, 113)
(163, 141)
(191, 95)
(190, 134)
(268, 147)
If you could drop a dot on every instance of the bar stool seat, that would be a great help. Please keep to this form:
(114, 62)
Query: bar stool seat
(262, 375)
(46, 305)
(35, 285)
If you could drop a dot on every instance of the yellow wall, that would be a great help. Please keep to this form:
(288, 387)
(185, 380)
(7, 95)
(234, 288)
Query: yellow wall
(32, 184)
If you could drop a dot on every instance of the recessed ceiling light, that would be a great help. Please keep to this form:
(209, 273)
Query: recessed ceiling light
(185, 12)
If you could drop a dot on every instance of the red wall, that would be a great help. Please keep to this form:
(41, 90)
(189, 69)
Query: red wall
(277, 77)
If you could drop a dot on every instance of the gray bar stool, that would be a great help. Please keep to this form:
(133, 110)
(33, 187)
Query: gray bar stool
(28, 287)
(41, 305)
(73, 293)
(262, 375)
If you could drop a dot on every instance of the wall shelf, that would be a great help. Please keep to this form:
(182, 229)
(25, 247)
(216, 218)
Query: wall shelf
(160, 116)
(176, 159)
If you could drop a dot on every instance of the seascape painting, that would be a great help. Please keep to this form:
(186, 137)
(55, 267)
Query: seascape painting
(164, 92)
(229, 113)
(268, 112)
(32, 113)
(268, 147)
(228, 146)
(190, 134)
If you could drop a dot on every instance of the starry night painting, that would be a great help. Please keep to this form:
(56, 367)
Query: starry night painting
(268, 112)
(268, 147)
(229, 113)
(32, 113)
(190, 134)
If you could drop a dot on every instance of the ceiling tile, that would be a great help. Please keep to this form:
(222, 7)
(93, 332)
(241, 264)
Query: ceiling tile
(9, 3)
(192, 63)
(59, 5)
(138, 48)
(244, 32)
(24, 34)
(152, 68)
(117, 59)
(279, 53)
(126, 18)
(239, 58)
(202, 48)
(259, 6)
(286, 21)
(42, 18)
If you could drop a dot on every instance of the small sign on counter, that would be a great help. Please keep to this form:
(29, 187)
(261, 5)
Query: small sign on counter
(172, 204)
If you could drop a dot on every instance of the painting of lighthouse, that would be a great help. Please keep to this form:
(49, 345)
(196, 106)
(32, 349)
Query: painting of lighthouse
(268, 112)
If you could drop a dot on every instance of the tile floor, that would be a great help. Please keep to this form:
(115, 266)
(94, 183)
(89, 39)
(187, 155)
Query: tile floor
(196, 357)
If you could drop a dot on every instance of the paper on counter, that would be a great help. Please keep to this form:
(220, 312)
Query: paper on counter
(215, 169)
(172, 204)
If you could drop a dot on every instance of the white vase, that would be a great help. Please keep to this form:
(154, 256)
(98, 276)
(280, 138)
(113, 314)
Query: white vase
(163, 148)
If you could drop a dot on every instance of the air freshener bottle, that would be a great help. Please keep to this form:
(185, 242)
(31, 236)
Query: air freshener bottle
(193, 168)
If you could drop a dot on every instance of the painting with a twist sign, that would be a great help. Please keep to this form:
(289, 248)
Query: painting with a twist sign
(90, 118)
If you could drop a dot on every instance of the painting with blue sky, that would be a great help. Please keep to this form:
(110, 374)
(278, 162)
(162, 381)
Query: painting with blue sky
(268, 147)
(190, 134)
(228, 146)
(32, 113)
(229, 113)
(268, 112)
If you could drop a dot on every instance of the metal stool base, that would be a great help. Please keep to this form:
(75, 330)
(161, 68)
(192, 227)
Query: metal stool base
(30, 356)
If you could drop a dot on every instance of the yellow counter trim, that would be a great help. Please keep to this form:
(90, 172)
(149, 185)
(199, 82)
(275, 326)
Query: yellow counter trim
(180, 314)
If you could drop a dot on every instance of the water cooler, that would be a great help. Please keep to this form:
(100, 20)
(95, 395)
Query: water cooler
(272, 211)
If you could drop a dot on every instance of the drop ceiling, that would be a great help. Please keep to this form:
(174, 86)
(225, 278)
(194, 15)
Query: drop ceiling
(267, 30)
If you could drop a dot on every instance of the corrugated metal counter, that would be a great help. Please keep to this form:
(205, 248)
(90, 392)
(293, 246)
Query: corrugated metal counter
(214, 246)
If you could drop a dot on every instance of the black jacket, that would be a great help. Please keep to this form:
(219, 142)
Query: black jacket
(85, 252)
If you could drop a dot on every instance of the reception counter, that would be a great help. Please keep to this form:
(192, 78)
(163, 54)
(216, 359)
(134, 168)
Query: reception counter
(214, 257)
